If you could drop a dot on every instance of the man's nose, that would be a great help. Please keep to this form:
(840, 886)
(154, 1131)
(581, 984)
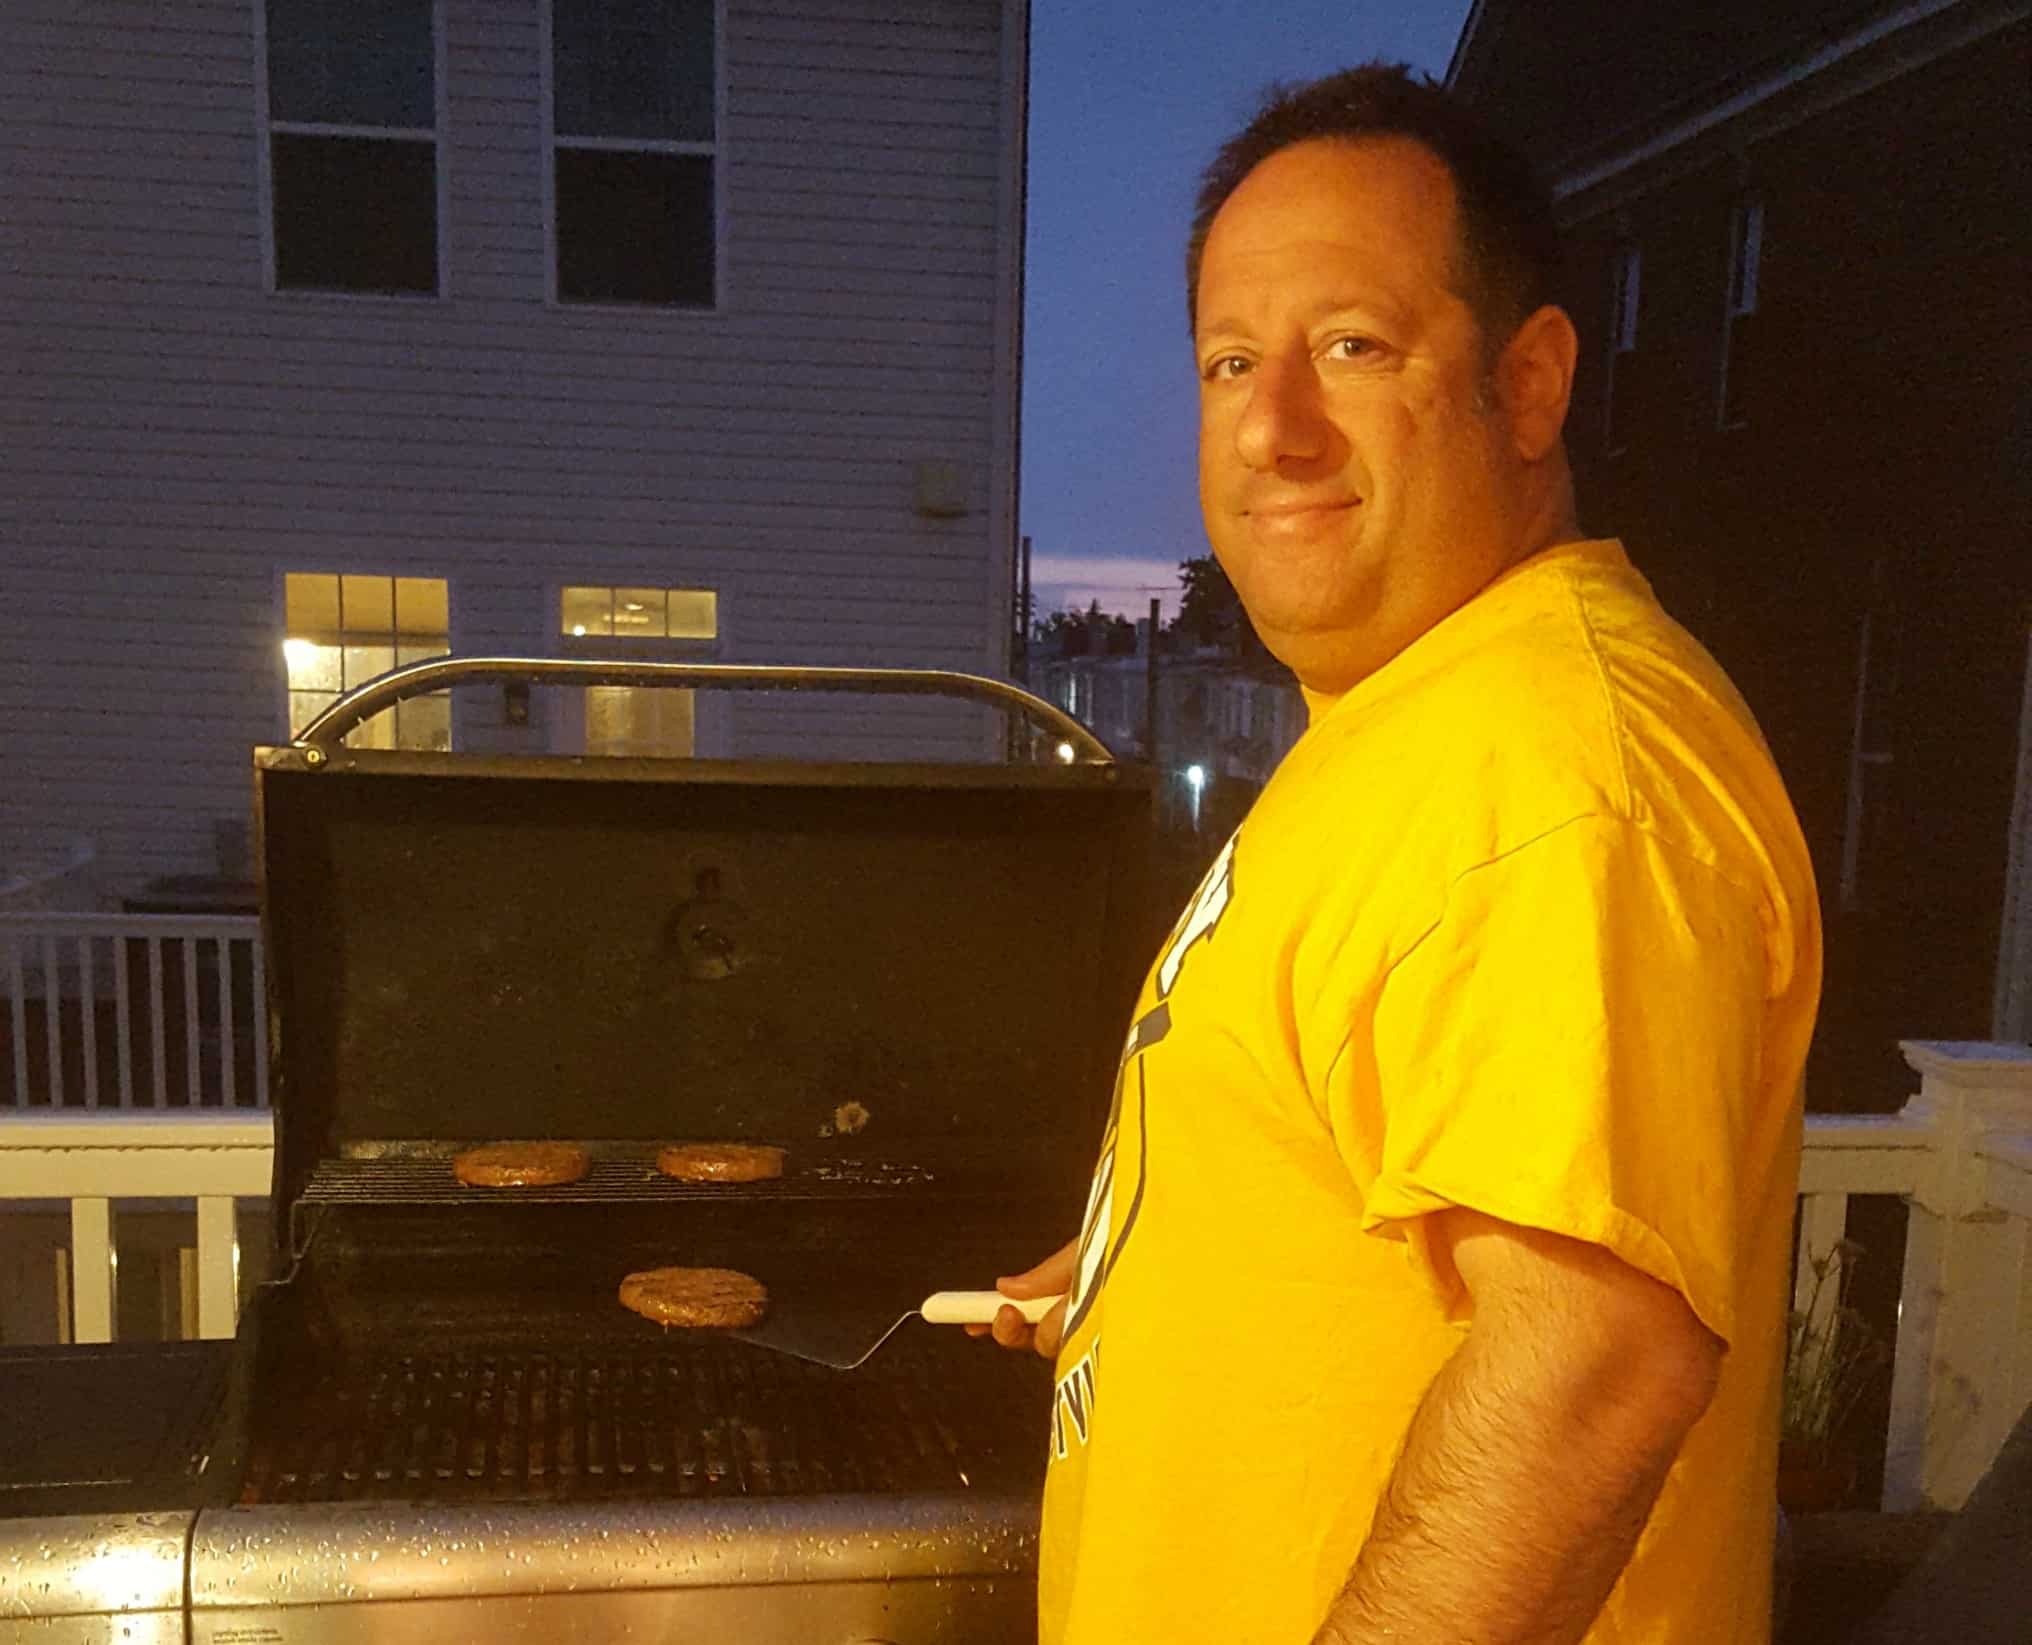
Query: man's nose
(1285, 420)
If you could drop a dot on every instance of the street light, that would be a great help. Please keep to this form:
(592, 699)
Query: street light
(1195, 779)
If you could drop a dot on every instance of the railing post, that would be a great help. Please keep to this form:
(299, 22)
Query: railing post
(91, 1270)
(1956, 1385)
(218, 1267)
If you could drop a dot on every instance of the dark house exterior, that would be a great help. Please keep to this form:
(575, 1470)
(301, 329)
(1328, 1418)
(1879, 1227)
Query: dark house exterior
(1798, 238)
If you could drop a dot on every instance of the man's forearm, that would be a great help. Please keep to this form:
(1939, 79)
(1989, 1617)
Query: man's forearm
(1516, 1503)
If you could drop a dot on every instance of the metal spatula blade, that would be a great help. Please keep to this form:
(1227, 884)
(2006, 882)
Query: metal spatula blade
(843, 1328)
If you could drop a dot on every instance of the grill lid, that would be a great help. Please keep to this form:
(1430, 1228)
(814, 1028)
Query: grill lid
(465, 948)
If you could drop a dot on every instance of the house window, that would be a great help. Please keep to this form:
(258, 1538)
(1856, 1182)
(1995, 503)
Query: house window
(351, 144)
(634, 152)
(640, 720)
(1746, 255)
(1869, 852)
(640, 613)
(1626, 293)
(344, 630)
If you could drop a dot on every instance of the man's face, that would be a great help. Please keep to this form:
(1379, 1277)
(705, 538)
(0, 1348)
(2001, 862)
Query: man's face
(1357, 485)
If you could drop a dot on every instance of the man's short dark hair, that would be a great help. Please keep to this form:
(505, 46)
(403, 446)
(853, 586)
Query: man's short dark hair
(1507, 256)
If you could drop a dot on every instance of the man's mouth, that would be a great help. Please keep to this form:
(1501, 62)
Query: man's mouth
(1296, 514)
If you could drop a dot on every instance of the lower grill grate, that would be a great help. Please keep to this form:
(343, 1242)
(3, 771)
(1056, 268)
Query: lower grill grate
(708, 1418)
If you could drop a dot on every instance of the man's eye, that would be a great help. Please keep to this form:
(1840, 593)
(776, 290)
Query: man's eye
(1227, 366)
(1350, 348)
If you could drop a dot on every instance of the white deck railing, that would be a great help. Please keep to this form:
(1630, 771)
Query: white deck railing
(1960, 1154)
(92, 1160)
(131, 1011)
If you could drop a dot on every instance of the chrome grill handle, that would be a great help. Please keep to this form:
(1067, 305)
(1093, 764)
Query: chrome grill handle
(324, 734)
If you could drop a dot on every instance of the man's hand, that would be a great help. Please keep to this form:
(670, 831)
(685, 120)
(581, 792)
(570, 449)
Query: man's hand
(1536, 1455)
(1051, 1277)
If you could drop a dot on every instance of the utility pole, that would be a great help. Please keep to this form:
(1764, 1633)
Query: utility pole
(1150, 685)
(1023, 614)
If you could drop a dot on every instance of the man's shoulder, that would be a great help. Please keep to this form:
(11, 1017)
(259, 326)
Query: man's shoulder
(1511, 687)
(1564, 691)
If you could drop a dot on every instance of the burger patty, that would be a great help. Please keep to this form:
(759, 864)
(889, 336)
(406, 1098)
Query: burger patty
(520, 1164)
(720, 1161)
(695, 1296)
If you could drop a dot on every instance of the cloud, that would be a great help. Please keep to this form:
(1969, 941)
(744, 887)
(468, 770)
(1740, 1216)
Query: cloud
(1121, 583)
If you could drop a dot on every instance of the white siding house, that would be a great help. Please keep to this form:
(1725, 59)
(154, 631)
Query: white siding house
(807, 410)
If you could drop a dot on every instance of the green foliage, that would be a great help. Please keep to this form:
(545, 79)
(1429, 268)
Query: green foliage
(1829, 1362)
(1073, 633)
(1209, 612)
(1210, 615)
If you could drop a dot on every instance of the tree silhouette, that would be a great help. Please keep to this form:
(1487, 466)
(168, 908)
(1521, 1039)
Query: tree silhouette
(1074, 633)
(1210, 614)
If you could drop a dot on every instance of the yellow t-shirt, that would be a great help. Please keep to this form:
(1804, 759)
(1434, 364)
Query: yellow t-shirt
(1524, 923)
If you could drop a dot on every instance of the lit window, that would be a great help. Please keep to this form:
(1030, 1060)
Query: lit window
(640, 720)
(352, 144)
(344, 630)
(640, 613)
(1746, 257)
(634, 151)
(630, 720)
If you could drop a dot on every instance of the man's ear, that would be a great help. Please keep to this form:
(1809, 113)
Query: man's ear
(1534, 380)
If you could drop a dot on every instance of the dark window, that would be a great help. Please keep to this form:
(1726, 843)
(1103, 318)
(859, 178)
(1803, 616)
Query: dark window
(1626, 296)
(635, 160)
(633, 227)
(634, 68)
(1739, 355)
(351, 62)
(352, 119)
(1746, 256)
(354, 213)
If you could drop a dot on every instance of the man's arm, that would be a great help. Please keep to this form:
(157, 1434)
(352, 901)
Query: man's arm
(1536, 1454)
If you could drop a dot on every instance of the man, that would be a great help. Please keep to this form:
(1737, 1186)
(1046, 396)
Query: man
(1432, 1286)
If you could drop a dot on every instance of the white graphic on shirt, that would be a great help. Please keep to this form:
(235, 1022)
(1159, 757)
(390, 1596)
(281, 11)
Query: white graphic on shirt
(1207, 907)
(1119, 1179)
(1072, 1411)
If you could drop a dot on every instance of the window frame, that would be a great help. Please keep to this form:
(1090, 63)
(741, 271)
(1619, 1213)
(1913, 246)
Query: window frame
(283, 572)
(1742, 285)
(266, 128)
(714, 151)
(556, 592)
(712, 727)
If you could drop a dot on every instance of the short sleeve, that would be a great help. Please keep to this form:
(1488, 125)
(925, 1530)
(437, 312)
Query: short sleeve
(1574, 1047)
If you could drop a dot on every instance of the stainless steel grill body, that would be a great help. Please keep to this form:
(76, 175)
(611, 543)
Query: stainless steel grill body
(810, 1571)
(94, 1579)
(814, 1571)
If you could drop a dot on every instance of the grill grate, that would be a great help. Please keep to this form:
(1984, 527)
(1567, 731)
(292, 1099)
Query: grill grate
(613, 1178)
(707, 1418)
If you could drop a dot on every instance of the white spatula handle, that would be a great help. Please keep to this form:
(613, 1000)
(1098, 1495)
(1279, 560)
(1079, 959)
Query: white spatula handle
(981, 1307)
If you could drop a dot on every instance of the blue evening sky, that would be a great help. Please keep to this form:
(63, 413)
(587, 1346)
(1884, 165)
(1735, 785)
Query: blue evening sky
(1128, 101)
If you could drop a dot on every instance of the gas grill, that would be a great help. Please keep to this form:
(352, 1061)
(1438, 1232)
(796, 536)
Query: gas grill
(622, 955)
(439, 1421)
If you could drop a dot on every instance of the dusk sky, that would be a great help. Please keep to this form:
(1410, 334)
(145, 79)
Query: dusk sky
(1128, 101)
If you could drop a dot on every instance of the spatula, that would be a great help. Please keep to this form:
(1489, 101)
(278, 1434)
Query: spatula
(843, 1326)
